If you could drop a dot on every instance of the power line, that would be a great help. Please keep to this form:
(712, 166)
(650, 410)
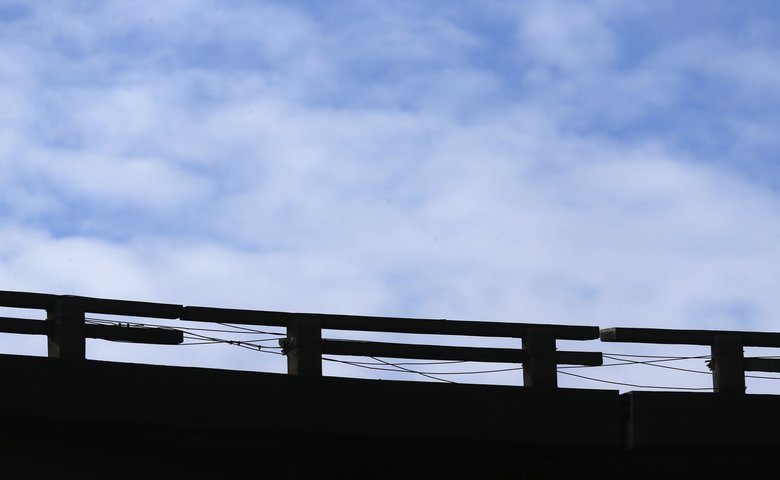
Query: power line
(441, 362)
(205, 340)
(238, 343)
(632, 384)
(655, 363)
(237, 329)
(762, 377)
(650, 356)
(398, 368)
(252, 330)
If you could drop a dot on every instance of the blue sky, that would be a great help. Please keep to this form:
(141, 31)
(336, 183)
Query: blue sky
(599, 162)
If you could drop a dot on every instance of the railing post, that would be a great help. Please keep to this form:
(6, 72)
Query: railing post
(303, 347)
(540, 370)
(66, 334)
(728, 365)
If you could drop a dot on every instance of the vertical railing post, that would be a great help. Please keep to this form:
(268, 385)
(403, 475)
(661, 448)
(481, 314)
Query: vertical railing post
(540, 370)
(66, 335)
(303, 347)
(728, 365)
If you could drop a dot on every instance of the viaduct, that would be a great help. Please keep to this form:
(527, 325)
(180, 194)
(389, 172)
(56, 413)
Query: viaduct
(66, 416)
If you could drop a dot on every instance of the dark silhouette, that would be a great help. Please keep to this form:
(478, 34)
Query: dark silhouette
(64, 415)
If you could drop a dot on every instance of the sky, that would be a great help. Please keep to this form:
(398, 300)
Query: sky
(599, 162)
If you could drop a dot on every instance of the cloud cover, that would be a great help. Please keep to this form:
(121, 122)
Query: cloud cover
(552, 162)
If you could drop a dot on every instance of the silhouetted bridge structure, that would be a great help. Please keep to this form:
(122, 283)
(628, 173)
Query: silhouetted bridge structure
(67, 416)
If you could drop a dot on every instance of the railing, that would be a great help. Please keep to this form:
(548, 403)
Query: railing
(728, 362)
(67, 330)
(304, 345)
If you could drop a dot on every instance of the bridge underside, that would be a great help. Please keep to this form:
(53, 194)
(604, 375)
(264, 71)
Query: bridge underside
(89, 419)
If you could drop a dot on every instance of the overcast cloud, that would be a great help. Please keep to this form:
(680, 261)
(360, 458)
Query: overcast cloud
(600, 163)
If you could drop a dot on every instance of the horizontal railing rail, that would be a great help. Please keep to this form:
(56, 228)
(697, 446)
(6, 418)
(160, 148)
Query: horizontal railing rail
(131, 308)
(386, 324)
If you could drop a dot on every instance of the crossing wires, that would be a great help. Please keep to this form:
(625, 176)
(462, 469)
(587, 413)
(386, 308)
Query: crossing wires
(266, 341)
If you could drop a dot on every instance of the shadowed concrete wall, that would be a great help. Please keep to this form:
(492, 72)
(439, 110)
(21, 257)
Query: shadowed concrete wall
(113, 420)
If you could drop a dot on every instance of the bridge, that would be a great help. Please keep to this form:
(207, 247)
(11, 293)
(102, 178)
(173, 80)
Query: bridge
(66, 415)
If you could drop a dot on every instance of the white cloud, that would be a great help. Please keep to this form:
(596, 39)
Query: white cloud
(75, 185)
(34, 261)
(182, 174)
(571, 36)
(752, 68)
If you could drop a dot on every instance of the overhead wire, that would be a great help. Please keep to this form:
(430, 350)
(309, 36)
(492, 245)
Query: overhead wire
(237, 329)
(655, 363)
(190, 333)
(397, 368)
(238, 343)
(631, 384)
(439, 362)
(252, 330)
